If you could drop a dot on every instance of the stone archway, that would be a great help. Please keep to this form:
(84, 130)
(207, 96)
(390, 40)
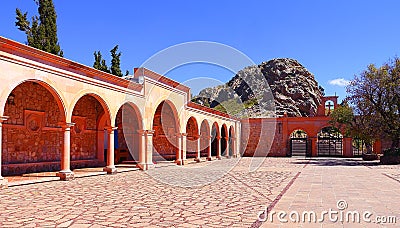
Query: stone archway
(127, 145)
(224, 141)
(88, 137)
(192, 131)
(215, 140)
(205, 140)
(166, 129)
(31, 134)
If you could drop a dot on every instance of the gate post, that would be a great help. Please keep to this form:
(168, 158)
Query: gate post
(314, 148)
(347, 148)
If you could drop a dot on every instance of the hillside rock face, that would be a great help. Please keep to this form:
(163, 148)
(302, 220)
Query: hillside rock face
(272, 88)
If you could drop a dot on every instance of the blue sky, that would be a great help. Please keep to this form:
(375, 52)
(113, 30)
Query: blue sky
(332, 39)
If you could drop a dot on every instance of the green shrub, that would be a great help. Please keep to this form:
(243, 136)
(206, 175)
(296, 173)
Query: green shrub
(392, 152)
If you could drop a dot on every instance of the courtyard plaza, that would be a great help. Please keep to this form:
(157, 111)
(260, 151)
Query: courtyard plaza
(220, 193)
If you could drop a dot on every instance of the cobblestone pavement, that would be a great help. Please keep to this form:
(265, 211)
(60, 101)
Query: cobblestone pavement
(360, 186)
(214, 194)
(139, 199)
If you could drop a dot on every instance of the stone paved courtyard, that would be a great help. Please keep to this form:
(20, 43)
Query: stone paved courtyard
(205, 194)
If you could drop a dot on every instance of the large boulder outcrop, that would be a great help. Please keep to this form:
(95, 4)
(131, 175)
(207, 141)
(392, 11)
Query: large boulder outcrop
(272, 88)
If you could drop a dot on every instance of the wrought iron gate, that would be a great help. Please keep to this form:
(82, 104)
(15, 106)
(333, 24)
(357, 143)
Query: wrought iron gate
(299, 147)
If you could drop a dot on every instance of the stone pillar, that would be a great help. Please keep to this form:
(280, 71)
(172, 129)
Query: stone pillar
(3, 181)
(149, 149)
(142, 150)
(314, 147)
(184, 148)
(347, 147)
(181, 159)
(377, 147)
(66, 173)
(208, 138)
(178, 159)
(218, 138)
(227, 147)
(234, 153)
(198, 150)
(110, 168)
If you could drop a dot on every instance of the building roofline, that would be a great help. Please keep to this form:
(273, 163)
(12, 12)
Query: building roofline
(25, 51)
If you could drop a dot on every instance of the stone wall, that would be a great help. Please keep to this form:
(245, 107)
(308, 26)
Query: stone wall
(127, 136)
(192, 136)
(31, 134)
(32, 138)
(262, 137)
(165, 134)
(85, 133)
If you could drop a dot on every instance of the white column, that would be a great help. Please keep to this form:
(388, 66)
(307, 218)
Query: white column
(227, 147)
(198, 156)
(184, 148)
(142, 150)
(110, 169)
(234, 151)
(209, 142)
(178, 159)
(66, 173)
(149, 149)
(3, 182)
(219, 144)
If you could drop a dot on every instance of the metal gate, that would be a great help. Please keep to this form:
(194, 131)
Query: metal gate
(299, 146)
(330, 143)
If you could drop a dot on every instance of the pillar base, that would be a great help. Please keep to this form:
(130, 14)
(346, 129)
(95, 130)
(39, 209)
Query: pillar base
(219, 157)
(144, 166)
(110, 170)
(3, 183)
(179, 162)
(66, 175)
(197, 160)
(209, 159)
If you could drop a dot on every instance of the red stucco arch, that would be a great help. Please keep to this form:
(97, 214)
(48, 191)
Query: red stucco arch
(166, 132)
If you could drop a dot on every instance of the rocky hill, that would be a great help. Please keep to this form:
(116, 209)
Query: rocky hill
(269, 89)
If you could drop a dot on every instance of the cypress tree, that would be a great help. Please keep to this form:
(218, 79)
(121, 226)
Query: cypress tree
(99, 62)
(116, 62)
(42, 34)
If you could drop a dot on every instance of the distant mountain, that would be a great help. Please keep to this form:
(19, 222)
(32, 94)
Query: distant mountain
(292, 87)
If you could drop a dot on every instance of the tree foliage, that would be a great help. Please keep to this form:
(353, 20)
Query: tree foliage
(115, 69)
(99, 62)
(116, 62)
(374, 96)
(42, 31)
(360, 126)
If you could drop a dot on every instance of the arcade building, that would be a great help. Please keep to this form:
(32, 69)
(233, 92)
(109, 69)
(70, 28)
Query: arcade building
(59, 115)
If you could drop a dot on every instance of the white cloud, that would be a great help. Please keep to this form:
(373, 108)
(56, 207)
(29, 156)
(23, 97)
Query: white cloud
(339, 82)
